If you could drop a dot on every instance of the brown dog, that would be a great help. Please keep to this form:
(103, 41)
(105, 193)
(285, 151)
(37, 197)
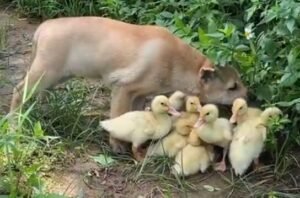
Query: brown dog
(137, 60)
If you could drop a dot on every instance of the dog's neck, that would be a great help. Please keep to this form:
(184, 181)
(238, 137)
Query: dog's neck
(186, 74)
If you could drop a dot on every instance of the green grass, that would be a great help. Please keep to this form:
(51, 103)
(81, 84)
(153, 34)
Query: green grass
(23, 149)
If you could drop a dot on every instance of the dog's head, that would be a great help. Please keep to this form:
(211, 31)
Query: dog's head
(221, 85)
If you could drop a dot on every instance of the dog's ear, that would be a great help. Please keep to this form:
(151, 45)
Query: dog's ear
(206, 74)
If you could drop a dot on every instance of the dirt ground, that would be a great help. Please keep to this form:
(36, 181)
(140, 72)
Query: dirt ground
(83, 177)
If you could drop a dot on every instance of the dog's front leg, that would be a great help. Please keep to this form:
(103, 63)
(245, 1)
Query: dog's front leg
(139, 103)
(121, 102)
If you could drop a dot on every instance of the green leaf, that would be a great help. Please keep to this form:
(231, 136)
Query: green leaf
(298, 107)
(244, 59)
(288, 79)
(292, 56)
(35, 181)
(37, 130)
(212, 26)
(203, 38)
(271, 14)
(216, 35)
(290, 24)
(288, 104)
(264, 92)
(34, 168)
(166, 14)
(250, 11)
(181, 26)
(242, 47)
(159, 22)
(296, 12)
(179, 23)
(104, 160)
(269, 46)
(228, 30)
(210, 188)
(282, 30)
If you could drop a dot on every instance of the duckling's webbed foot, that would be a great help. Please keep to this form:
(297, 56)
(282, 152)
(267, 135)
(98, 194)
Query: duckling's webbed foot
(138, 154)
(118, 146)
(221, 166)
(257, 164)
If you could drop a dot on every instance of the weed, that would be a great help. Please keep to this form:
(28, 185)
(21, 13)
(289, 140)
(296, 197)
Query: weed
(23, 147)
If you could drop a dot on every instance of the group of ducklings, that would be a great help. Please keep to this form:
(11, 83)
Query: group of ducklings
(190, 136)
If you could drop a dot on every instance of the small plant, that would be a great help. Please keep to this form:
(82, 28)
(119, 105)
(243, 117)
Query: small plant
(22, 144)
(275, 127)
(61, 112)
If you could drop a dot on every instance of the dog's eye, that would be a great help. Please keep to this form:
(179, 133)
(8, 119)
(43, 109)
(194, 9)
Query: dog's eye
(233, 87)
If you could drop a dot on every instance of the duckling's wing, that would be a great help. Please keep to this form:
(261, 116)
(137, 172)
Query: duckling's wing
(244, 139)
(253, 112)
(148, 122)
(228, 134)
(125, 124)
(225, 125)
(263, 130)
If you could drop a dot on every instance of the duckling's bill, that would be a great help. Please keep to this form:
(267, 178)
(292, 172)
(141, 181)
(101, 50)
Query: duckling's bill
(199, 108)
(232, 119)
(173, 111)
(199, 122)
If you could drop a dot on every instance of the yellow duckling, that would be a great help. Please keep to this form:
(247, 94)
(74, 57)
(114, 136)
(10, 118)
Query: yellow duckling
(214, 130)
(139, 126)
(193, 158)
(177, 139)
(184, 124)
(169, 145)
(194, 139)
(176, 100)
(248, 141)
(241, 112)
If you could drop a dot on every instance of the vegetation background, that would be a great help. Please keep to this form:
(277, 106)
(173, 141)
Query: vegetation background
(261, 38)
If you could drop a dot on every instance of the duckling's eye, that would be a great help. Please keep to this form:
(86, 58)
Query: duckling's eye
(163, 104)
(192, 103)
(207, 113)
